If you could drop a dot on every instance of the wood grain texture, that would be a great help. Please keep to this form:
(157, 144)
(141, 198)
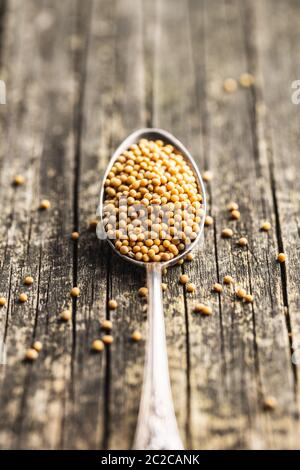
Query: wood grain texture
(80, 76)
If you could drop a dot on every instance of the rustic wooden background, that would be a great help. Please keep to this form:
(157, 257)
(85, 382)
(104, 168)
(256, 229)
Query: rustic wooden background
(80, 76)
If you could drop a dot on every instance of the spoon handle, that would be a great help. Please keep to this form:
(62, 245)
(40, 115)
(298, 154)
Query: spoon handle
(157, 427)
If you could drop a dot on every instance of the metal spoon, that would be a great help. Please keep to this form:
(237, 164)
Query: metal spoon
(157, 427)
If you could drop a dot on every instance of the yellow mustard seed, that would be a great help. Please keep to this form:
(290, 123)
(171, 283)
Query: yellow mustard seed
(2, 301)
(265, 226)
(66, 315)
(241, 293)
(164, 286)
(208, 221)
(281, 257)
(248, 298)
(228, 280)
(184, 278)
(75, 292)
(31, 355)
(235, 215)
(180, 262)
(97, 345)
(92, 224)
(107, 339)
(45, 204)
(112, 304)
(106, 325)
(206, 310)
(18, 180)
(232, 206)
(136, 336)
(23, 297)
(143, 291)
(189, 257)
(230, 85)
(217, 287)
(75, 236)
(38, 346)
(190, 287)
(270, 403)
(227, 233)
(199, 308)
(28, 280)
(246, 80)
(207, 176)
(242, 241)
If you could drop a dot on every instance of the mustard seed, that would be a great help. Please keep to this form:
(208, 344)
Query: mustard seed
(206, 310)
(28, 280)
(38, 346)
(18, 180)
(92, 224)
(74, 236)
(180, 262)
(45, 204)
(184, 278)
(75, 292)
(143, 291)
(2, 301)
(112, 304)
(208, 221)
(106, 325)
(23, 298)
(270, 403)
(266, 226)
(241, 293)
(230, 85)
(191, 287)
(246, 80)
(136, 336)
(107, 339)
(228, 280)
(66, 315)
(97, 345)
(232, 206)
(242, 241)
(235, 215)
(248, 298)
(217, 287)
(227, 233)
(281, 257)
(207, 176)
(189, 257)
(31, 355)
(164, 286)
(199, 308)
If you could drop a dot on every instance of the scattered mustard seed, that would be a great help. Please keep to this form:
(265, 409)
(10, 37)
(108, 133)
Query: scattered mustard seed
(217, 287)
(143, 291)
(136, 336)
(281, 257)
(241, 293)
(270, 403)
(180, 262)
(199, 308)
(28, 280)
(23, 297)
(66, 315)
(228, 280)
(184, 278)
(266, 226)
(189, 257)
(38, 346)
(31, 354)
(243, 241)
(190, 287)
(45, 204)
(206, 310)
(232, 206)
(235, 215)
(18, 180)
(246, 80)
(230, 85)
(164, 286)
(227, 233)
(75, 292)
(93, 224)
(75, 236)
(208, 221)
(106, 325)
(2, 301)
(207, 176)
(107, 339)
(112, 304)
(97, 345)
(248, 298)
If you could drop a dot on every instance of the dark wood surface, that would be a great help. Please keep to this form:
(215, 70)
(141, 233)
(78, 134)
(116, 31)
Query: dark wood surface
(81, 75)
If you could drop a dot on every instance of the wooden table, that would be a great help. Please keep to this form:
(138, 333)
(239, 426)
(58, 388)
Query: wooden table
(81, 75)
